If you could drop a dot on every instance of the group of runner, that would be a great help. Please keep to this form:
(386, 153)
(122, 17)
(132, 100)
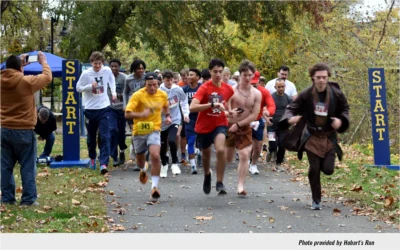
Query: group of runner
(214, 113)
(201, 109)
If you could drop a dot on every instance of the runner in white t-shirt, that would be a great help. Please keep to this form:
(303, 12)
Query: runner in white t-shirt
(290, 89)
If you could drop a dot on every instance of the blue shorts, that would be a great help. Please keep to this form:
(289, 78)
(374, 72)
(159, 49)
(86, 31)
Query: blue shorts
(189, 128)
(259, 134)
(205, 140)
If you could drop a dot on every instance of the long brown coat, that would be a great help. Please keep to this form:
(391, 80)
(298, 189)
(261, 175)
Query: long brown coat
(304, 106)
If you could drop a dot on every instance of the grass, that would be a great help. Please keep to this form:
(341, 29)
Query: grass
(369, 191)
(57, 188)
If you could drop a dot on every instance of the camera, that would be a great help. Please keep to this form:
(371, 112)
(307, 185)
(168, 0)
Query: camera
(31, 58)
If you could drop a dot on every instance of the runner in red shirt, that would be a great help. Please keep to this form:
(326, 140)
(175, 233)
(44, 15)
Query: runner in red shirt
(267, 110)
(212, 124)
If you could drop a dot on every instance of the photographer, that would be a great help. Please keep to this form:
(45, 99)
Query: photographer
(46, 124)
(18, 119)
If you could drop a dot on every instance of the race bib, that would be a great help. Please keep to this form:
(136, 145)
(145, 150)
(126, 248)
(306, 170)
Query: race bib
(145, 128)
(271, 136)
(214, 97)
(321, 109)
(99, 90)
(173, 101)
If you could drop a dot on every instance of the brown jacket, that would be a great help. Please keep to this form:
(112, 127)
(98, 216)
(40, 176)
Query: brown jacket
(303, 105)
(18, 110)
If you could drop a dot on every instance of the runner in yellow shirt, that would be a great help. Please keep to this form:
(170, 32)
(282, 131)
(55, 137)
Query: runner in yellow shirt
(145, 108)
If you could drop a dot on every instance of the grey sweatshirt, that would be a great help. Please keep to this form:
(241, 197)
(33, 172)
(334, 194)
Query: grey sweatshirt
(176, 96)
(132, 85)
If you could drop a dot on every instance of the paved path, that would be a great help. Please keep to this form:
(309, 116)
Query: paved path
(274, 204)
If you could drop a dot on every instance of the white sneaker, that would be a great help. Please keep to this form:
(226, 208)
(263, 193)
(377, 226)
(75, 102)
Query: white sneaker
(175, 169)
(164, 171)
(253, 169)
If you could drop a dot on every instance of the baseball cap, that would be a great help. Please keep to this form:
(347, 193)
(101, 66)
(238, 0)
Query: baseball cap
(236, 73)
(256, 77)
(150, 76)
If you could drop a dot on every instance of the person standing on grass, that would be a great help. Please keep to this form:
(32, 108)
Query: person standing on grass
(45, 126)
(190, 90)
(324, 108)
(18, 119)
(212, 125)
(243, 107)
(276, 149)
(94, 82)
(145, 108)
(133, 83)
(176, 99)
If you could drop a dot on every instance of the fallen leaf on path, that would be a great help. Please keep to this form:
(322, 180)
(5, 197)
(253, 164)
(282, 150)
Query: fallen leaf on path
(295, 199)
(283, 208)
(151, 202)
(289, 227)
(111, 192)
(336, 212)
(18, 190)
(39, 211)
(271, 220)
(118, 227)
(75, 202)
(203, 218)
(52, 230)
(122, 211)
(244, 222)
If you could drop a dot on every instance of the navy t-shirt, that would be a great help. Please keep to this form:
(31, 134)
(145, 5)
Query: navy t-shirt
(190, 93)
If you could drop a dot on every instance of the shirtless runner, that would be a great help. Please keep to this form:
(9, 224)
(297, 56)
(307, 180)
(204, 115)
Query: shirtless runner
(243, 108)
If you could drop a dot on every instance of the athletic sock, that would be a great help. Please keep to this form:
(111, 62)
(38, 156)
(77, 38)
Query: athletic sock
(192, 162)
(154, 181)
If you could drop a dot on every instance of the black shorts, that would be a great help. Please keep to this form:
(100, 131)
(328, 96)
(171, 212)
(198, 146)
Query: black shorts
(205, 140)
